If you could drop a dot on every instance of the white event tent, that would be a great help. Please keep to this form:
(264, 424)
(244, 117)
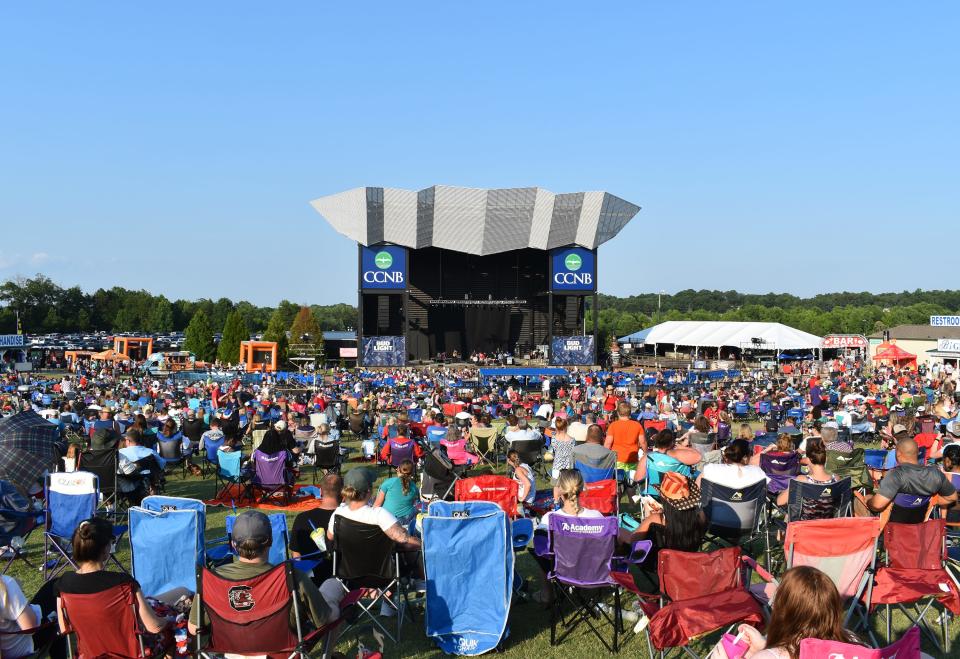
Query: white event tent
(721, 333)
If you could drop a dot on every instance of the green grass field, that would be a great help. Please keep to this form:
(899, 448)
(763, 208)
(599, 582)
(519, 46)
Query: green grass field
(529, 623)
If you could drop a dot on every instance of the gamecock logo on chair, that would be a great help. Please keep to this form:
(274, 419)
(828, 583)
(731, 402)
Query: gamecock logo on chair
(241, 598)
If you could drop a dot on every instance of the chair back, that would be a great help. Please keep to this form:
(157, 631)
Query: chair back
(659, 464)
(71, 498)
(249, 616)
(160, 503)
(653, 424)
(908, 647)
(780, 468)
(228, 464)
(594, 474)
(415, 414)
(501, 490)
(212, 448)
(688, 575)
(162, 571)
(363, 554)
(170, 449)
(483, 439)
(278, 527)
(270, 469)
(916, 546)
(733, 513)
(723, 432)
(582, 549)
(845, 549)
(909, 508)
(880, 459)
(815, 501)
(849, 465)
(103, 463)
(601, 496)
(327, 457)
(436, 434)
(85, 616)
(400, 451)
(741, 409)
(763, 407)
(528, 450)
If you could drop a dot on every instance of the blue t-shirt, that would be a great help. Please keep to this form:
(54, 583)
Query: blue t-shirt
(395, 501)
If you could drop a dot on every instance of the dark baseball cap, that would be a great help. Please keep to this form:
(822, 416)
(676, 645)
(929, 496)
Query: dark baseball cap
(252, 525)
(360, 479)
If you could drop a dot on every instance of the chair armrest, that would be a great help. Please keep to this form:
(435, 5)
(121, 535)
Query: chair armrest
(756, 567)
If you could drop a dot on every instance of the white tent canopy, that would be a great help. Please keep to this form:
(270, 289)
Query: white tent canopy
(715, 334)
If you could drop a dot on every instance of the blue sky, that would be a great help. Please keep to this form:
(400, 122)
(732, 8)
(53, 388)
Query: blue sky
(805, 148)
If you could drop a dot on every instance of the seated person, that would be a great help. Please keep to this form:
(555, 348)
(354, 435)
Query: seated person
(910, 478)
(140, 469)
(784, 444)
(92, 541)
(456, 444)
(524, 476)
(519, 430)
(16, 614)
(402, 439)
(592, 453)
(251, 538)
(278, 438)
(676, 522)
(734, 472)
(323, 438)
(400, 494)
(679, 458)
(818, 475)
(308, 534)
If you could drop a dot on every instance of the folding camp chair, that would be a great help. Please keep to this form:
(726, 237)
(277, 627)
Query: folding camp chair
(251, 616)
(326, 458)
(594, 474)
(103, 463)
(845, 550)
(439, 475)
(780, 468)
(700, 593)
(364, 557)
(467, 611)
(271, 476)
(484, 442)
(158, 570)
(86, 615)
(500, 490)
(808, 501)
(211, 454)
(228, 473)
(916, 576)
(736, 516)
(530, 452)
(172, 452)
(436, 434)
(907, 646)
(850, 465)
(581, 550)
(400, 451)
(602, 496)
(70, 499)
(659, 464)
(18, 525)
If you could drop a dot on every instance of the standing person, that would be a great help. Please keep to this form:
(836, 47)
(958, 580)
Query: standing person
(400, 494)
(625, 436)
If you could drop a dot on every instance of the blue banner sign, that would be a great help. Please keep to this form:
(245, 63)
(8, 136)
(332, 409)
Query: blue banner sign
(384, 351)
(572, 351)
(945, 321)
(383, 267)
(573, 269)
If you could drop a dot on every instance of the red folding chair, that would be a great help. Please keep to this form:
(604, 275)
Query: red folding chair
(915, 576)
(252, 616)
(601, 496)
(106, 624)
(700, 593)
(501, 490)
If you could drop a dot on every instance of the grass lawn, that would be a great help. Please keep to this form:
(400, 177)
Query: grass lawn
(529, 623)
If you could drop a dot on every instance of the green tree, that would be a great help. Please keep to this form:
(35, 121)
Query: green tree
(234, 331)
(160, 320)
(306, 329)
(277, 331)
(198, 337)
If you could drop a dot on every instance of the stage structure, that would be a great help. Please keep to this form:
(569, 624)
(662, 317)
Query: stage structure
(456, 271)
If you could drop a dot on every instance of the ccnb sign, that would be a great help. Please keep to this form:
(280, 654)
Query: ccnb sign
(573, 269)
(383, 267)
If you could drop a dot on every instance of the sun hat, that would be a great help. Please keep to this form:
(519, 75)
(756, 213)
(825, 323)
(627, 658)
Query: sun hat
(679, 491)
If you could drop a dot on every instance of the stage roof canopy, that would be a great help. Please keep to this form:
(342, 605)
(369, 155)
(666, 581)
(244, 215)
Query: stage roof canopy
(474, 220)
(714, 334)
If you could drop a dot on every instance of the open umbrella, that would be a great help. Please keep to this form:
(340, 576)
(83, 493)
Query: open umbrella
(29, 445)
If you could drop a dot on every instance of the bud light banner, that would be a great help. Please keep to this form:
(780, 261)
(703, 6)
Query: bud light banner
(572, 351)
(383, 267)
(573, 269)
(384, 351)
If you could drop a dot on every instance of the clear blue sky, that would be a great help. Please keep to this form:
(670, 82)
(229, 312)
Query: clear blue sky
(175, 146)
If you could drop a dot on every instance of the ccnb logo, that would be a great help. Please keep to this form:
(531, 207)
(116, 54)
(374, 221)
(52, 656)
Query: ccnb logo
(384, 260)
(573, 261)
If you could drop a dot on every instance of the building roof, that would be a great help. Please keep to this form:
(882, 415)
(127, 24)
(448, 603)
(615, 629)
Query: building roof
(474, 220)
(920, 333)
(716, 333)
(339, 336)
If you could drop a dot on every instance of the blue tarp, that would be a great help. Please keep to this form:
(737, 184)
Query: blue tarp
(468, 558)
(523, 372)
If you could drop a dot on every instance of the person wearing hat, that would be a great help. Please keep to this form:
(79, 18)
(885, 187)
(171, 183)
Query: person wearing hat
(676, 522)
(251, 540)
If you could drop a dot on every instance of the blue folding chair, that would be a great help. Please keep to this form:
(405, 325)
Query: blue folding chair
(228, 473)
(70, 499)
(594, 474)
(222, 548)
(211, 455)
(415, 415)
(436, 433)
(151, 532)
(162, 503)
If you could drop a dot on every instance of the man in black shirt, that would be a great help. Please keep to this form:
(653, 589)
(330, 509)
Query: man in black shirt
(317, 519)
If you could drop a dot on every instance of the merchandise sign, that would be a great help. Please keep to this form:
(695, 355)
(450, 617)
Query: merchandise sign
(840, 341)
(384, 351)
(572, 351)
(383, 267)
(573, 269)
(11, 340)
(945, 321)
(948, 345)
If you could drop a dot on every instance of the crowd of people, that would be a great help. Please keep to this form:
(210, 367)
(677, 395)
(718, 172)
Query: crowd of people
(663, 436)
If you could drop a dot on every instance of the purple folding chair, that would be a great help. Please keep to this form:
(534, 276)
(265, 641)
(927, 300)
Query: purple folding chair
(400, 451)
(270, 475)
(780, 468)
(582, 550)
